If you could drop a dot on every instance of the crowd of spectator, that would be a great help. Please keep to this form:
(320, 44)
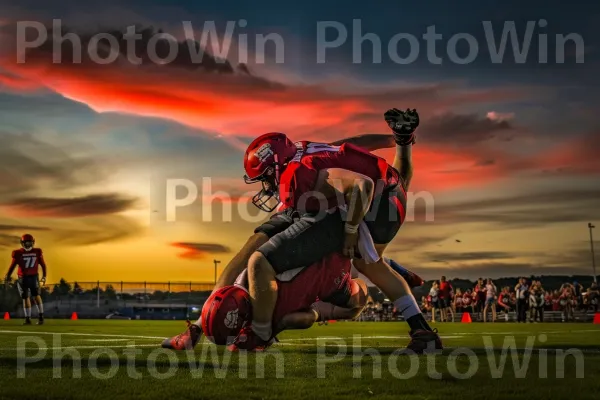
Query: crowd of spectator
(528, 300)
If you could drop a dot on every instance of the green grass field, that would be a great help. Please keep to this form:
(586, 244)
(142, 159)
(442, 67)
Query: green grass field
(122, 359)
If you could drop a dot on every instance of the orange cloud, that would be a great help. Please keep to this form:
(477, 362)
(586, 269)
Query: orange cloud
(195, 251)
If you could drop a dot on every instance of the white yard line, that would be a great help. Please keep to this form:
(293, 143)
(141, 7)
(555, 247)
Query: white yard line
(360, 336)
(80, 347)
(85, 334)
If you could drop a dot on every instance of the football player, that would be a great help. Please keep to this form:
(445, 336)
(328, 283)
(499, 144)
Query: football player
(229, 309)
(29, 259)
(316, 179)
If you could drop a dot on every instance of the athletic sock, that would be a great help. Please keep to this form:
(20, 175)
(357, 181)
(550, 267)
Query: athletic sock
(408, 307)
(262, 330)
(199, 322)
(40, 308)
(27, 311)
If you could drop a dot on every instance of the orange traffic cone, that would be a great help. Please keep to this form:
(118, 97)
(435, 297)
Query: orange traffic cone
(597, 318)
(74, 316)
(6, 316)
(466, 318)
(332, 321)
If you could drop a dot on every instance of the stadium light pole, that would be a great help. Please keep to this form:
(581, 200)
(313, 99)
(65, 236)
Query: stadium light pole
(591, 226)
(217, 262)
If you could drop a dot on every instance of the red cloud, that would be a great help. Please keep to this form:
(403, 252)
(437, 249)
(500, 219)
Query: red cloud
(234, 102)
(227, 99)
(195, 251)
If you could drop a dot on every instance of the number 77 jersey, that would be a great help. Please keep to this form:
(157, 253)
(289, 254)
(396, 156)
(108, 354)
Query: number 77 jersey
(28, 261)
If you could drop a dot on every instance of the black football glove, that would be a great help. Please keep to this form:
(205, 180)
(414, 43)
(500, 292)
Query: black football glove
(403, 124)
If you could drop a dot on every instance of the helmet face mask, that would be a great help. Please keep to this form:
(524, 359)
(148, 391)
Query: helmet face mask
(263, 200)
(27, 242)
(264, 161)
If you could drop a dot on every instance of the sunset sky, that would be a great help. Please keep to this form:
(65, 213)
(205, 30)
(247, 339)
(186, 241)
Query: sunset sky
(509, 152)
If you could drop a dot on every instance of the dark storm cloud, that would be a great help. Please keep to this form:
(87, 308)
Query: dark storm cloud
(22, 228)
(26, 163)
(406, 242)
(95, 204)
(533, 209)
(469, 256)
(189, 54)
(30, 168)
(10, 234)
(464, 129)
(95, 230)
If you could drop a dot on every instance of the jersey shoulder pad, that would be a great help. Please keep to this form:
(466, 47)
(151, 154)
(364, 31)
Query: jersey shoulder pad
(17, 252)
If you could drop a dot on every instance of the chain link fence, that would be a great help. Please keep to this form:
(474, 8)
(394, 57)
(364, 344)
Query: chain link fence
(150, 300)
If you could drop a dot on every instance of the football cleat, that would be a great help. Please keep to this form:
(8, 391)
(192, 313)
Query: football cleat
(186, 340)
(423, 341)
(27, 321)
(250, 341)
(40, 321)
(403, 125)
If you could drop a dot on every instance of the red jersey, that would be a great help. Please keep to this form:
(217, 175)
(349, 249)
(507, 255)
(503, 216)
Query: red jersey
(298, 290)
(300, 175)
(467, 298)
(445, 290)
(28, 262)
(503, 298)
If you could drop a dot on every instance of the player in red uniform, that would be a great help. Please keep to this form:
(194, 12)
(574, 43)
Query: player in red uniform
(29, 259)
(320, 292)
(315, 179)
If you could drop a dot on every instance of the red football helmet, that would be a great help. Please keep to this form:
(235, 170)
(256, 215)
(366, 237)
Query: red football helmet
(225, 313)
(27, 241)
(264, 161)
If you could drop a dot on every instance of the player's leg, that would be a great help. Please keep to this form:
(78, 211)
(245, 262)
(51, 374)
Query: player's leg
(410, 277)
(305, 242)
(396, 288)
(34, 292)
(263, 294)
(403, 157)
(27, 310)
(276, 224)
(23, 287)
(485, 312)
(40, 309)
(384, 221)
